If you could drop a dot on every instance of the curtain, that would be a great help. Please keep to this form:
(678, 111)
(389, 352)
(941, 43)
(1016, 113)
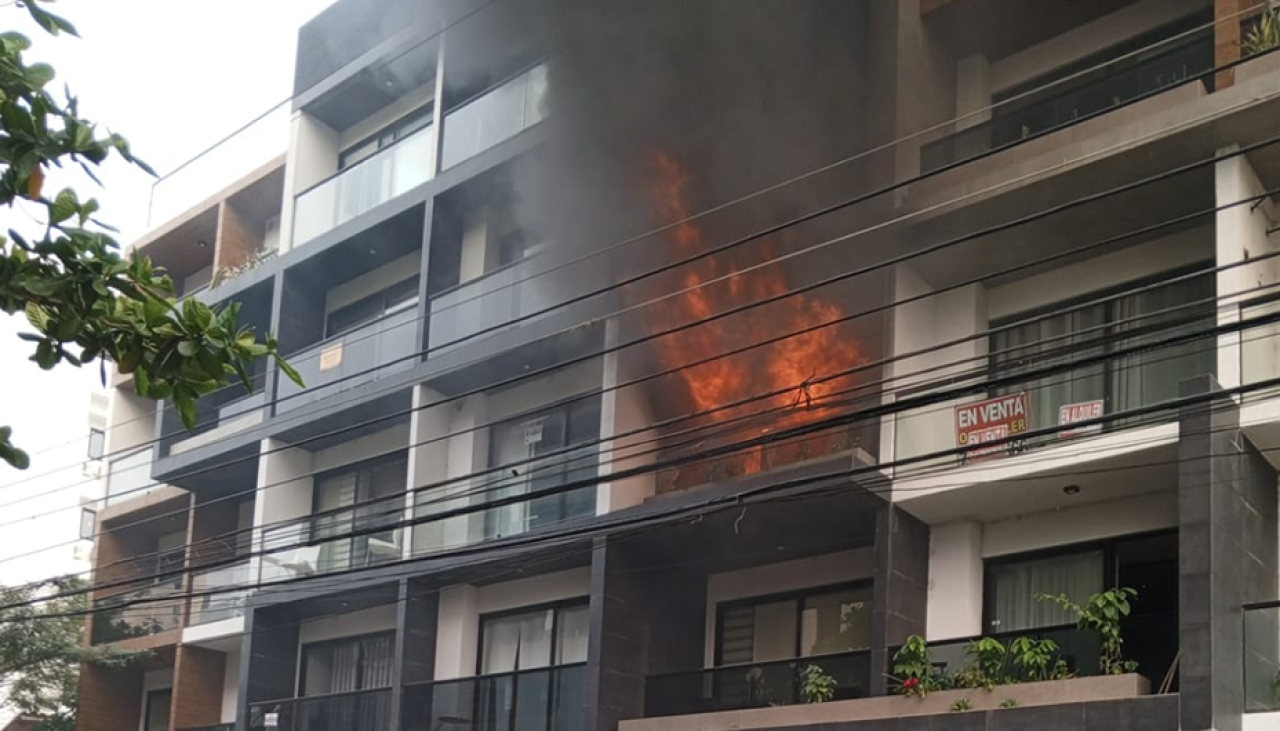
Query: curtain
(1015, 587)
(571, 645)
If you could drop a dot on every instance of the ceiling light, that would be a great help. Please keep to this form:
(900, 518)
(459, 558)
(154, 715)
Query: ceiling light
(1072, 489)
(202, 244)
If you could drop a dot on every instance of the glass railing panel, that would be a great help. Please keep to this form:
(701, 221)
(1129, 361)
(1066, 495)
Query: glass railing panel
(1262, 658)
(366, 710)
(1079, 649)
(129, 477)
(497, 115)
(1061, 104)
(353, 359)
(362, 187)
(754, 685)
(1260, 345)
(137, 613)
(504, 521)
(544, 699)
(211, 605)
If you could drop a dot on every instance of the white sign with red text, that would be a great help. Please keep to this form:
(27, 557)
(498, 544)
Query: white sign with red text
(1076, 413)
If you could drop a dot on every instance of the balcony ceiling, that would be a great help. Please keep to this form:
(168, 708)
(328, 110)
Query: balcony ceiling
(186, 248)
(376, 86)
(999, 28)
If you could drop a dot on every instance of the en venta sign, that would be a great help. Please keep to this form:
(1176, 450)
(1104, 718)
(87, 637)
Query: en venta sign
(991, 420)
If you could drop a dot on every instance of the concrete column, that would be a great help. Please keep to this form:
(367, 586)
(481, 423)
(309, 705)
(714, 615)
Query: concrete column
(268, 661)
(900, 593)
(955, 581)
(1226, 555)
(457, 633)
(617, 654)
(417, 621)
(973, 91)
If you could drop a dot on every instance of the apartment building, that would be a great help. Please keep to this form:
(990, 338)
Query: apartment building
(525, 489)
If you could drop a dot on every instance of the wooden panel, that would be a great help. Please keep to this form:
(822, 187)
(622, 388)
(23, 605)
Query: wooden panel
(197, 687)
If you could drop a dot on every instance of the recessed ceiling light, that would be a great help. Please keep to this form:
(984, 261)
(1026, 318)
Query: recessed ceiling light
(1072, 489)
(202, 244)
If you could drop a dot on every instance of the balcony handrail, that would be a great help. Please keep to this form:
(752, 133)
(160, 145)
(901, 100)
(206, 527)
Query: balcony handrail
(765, 663)
(363, 329)
(451, 289)
(372, 158)
(494, 86)
(322, 696)
(1257, 606)
(490, 676)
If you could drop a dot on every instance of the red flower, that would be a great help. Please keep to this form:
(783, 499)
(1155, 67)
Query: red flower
(910, 683)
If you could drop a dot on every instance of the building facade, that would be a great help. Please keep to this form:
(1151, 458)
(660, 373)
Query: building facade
(588, 440)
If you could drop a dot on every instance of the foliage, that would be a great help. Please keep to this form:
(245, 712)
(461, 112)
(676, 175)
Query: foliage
(1102, 613)
(816, 685)
(1264, 35)
(961, 705)
(226, 274)
(41, 650)
(1008, 703)
(913, 669)
(986, 663)
(84, 300)
(1037, 659)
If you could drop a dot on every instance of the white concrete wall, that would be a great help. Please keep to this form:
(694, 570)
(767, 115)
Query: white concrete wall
(1260, 722)
(1099, 273)
(464, 452)
(545, 391)
(131, 418)
(1088, 39)
(366, 447)
(973, 91)
(622, 411)
(782, 577)
(475, 245)
(362, 622)
(372, 282)
(284, 493)
(231, 687)
(1089, 522)
(1242, 235)
(312, 157)
(955, 581)
(461, 607)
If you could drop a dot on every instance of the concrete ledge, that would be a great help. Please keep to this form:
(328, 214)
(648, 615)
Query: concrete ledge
(1028, 695)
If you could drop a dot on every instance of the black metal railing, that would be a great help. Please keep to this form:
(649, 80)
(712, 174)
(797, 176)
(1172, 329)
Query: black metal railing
(754, 685)
(542, 699)
(1078, 649)
(361, 710)
(1262, 657)
(1094, 92)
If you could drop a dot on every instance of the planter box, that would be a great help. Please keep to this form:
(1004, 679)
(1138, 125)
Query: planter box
(1257, 67)
(1054, 692)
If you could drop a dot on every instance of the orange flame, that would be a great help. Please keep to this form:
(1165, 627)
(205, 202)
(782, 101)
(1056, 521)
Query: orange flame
(792, 364)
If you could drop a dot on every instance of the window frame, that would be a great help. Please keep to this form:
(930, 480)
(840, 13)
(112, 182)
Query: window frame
(92, 515)
(149, 700)
(368, 464)
(717, 657)
(385, 306)
(1110, 564)
(349, 639)
(389, 135)
(101, 437)
(554, 606)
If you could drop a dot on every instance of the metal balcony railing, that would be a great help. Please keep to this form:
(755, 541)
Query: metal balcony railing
(361, 710)
(542, 699)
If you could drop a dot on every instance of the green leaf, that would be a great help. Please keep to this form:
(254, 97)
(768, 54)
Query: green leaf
(38, 317)
(39, 74)
(186, 407)
(188, 348)
(289, 371)
(46, 356)
(64, 206)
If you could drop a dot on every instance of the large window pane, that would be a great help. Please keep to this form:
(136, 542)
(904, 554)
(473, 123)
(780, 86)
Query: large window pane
(1016, 586)
(836, 622)
(517, 642)
(573, 628)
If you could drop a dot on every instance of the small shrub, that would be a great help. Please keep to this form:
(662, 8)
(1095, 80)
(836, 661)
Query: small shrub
(986, 663)
(1264, 35)
(817, 685)
(913, 669)
(1102, 613)
(1035, 658)
(1008, 703)
(962, 704)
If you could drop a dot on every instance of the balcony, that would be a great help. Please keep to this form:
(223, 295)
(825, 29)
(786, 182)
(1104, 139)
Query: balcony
(353, 359)
(1091, 93)
(754, 685)
(129, 477)
(361, 710)
(139, 613)
(542, 699)
(488, 302)
(494, 116)
(288, 556)
(218, 727)
(236, 579)
(1262, 657)
(223, 413)
(360, 188)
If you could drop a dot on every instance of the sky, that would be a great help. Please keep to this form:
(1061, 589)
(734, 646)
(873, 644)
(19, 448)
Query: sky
(174, 77)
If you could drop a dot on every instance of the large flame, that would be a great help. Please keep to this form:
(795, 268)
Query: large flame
(797, 365)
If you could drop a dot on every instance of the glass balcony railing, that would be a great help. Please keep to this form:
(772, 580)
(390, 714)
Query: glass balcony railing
(1260, 346)
(285, 556)
(543, 699)
(754, 685)
(344, 362)
(362, 710)
(1084, 96)
(486, 303)
(138, 613)
(215, 607)
(221, 164)
(360, 188)
(1262, 657)
(220, 414)
(504, 521)
(1078, 648)
(496, 115)
(129, 477)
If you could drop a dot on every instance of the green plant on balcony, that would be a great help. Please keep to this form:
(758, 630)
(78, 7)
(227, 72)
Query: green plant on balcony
(961, 705)
(1035, 659)
(986, 664)
(1102, 613)
(1264, 35)
(816, 685)
(226, 274)
(913, 668)
(1008, 703)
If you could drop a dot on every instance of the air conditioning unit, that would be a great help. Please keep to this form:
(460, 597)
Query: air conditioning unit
(271, 237)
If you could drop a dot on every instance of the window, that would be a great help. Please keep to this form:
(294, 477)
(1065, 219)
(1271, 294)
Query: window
(157, 710)
(346, 665)
(88, 524)
(383, 478)
(536, 638)
(1122, 383)
(97, 443)
(816, 622)
(1014, 587)
(551, 432)
(396, 298)
(405, 126)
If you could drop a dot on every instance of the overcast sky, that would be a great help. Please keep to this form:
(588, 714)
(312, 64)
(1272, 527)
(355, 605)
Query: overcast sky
(173, 76)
